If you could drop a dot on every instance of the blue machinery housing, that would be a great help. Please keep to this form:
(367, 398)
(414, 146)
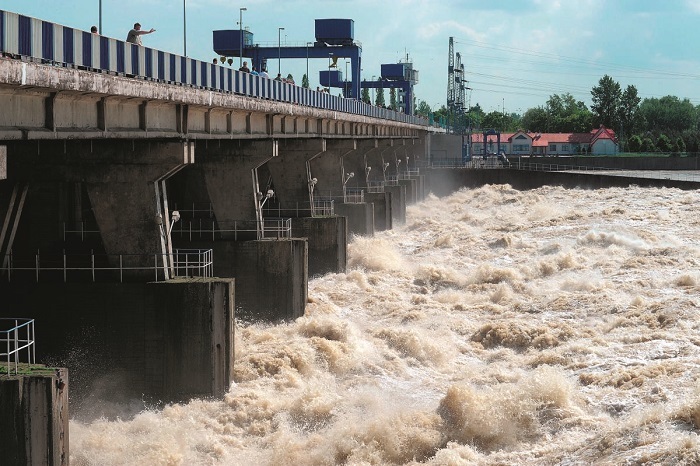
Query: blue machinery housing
(30, 38)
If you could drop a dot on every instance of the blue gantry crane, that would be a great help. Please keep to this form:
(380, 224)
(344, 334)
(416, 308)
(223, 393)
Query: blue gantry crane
(399, 76)
(334, 40)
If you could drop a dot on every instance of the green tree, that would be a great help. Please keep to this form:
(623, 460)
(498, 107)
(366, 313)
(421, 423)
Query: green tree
(647, 145)
(379, 98)
(629, 105)
(475, 116)
(606, 98)
(495, 120)
(535, 120)
(668, 114)
(305, 81)
(365, 95)
(680, 145)
(663, 144)
(423, 109)
(392, 98)
(635, 143)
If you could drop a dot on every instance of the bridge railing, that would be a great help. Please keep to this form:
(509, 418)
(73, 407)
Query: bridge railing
(50, 43)
(17, 343)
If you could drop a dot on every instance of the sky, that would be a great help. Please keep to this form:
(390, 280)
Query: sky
(516, 53)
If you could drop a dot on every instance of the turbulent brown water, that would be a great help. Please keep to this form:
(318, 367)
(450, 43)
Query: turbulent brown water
(497, 327)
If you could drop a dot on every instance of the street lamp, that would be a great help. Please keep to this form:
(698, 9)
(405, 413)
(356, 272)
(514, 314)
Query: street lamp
(240, 25)
(279, 50)
(307, 61)
(100, 22)
(373, 77)
(184, 25)
(330, 56)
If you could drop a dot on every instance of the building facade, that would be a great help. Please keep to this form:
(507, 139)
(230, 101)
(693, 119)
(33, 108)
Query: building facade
(601, 141)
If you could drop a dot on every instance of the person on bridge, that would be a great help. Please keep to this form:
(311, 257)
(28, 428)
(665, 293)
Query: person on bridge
(244, 67)
(135, 34)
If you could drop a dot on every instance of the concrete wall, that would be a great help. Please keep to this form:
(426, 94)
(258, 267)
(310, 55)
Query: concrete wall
(627, 163)
(445, 146)
(328, 243)
(398, 204)
(382, 210)
(271, 276)
(443, 181)
(360, 217)
(163, 341)
(34, 418)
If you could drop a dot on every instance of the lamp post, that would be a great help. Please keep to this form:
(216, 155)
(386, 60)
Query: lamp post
(307, 61)
(279, 50)
(184, 26)
(373, 76)
(100, 21)
(330, 55)
(240, 25)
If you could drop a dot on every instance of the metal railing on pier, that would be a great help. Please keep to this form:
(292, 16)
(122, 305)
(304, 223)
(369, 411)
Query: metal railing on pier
(354, 196)
(109, 267)
(237, 230)
(375, 186)
(491, 161)
(321, 207)
(17, 343)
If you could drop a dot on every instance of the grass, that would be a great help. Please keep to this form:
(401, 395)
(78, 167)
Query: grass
(27, 370)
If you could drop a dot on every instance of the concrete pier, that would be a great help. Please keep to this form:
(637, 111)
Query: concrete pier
(166, 341)
(34, 417)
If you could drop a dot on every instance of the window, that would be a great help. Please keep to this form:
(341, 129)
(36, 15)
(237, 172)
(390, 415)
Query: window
(565, 148)
(521, 148)
(521, 137)
(552, 147)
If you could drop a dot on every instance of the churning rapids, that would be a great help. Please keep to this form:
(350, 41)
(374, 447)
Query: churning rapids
(497, 327)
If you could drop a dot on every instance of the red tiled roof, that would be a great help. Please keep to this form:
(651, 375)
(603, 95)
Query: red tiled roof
(544, 139)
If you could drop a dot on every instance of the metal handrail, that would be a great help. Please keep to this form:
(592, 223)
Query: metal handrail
(82, 231)
(15, 339)
(321, 207)
(375, 186)
(195, 210)
(184, 262)
(354, 196)
(270, 227)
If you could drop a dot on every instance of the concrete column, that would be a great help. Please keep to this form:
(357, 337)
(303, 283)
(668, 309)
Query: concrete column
(398, 203)
(228, 176)
(196, 327)
(271, 276)
(291, 172)
(34, 417)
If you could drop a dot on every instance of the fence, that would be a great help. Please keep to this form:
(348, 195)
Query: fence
(16, 340)
(691, 175)
(109, 267)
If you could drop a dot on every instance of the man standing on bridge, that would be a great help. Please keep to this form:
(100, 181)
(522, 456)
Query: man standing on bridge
(135, 34)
